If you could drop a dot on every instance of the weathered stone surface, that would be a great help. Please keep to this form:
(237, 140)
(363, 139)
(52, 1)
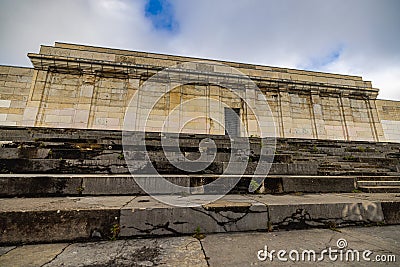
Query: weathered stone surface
(391, 212)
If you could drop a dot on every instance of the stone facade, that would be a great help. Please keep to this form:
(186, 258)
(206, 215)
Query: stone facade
(75, 86)
(389, 112)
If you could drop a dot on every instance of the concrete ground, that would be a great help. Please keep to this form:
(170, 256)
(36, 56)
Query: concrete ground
(228, 249)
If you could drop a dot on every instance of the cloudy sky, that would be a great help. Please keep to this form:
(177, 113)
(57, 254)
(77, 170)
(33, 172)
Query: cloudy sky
(358, 37)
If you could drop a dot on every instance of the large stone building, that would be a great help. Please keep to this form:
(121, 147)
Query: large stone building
(76, 86)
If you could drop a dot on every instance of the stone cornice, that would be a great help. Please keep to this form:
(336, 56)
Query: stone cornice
(109, 68)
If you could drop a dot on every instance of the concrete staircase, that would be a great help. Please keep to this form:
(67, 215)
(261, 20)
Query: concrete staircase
(70, 184)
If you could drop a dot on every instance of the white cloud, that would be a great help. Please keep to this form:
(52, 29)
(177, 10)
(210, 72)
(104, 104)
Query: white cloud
(359, 37)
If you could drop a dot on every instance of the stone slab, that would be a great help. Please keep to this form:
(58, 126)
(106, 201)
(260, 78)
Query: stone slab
(39, 185)
(318, 184)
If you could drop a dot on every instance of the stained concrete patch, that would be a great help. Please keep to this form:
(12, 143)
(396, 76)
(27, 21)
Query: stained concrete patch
(31, 255)
(177, 251)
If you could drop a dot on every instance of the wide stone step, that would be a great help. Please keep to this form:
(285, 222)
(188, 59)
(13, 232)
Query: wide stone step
(357, 172)
(31, 220)
(378, 183)
(41, 185)
(394, 177)
(380, 189)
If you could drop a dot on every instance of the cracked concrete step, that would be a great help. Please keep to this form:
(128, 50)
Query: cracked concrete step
(30, 220)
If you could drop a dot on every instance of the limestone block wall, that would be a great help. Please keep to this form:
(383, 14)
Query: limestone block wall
(77, 101)
(389, 113)
(15, 84)
(75, 86)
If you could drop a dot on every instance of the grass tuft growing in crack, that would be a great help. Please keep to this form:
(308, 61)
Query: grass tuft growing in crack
(197, 233)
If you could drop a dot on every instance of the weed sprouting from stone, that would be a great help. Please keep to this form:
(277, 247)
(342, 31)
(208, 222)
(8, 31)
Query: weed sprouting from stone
(197, 233)
(254, 185)
(115, 229)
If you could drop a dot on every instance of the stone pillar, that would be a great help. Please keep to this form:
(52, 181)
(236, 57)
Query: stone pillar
(92, 90)
(32, 107)
(285, 112)
(281, 129)
(376, 126)
(83, 107)
(316, 113)
(348, 122)
(37, 93)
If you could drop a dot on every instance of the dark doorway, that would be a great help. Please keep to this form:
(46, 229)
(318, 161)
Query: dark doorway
(232, 121)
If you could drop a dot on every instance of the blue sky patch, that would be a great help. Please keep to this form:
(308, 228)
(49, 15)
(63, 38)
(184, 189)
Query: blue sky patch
(320, 62)
(161, 14)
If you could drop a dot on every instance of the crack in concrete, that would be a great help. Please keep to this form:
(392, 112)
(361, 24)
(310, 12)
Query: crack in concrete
(204, 253)
(156, 227)
(55, 257)
(15, 247)
(209, 215)
(301, 219)
(230, 220)
(128, 202)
